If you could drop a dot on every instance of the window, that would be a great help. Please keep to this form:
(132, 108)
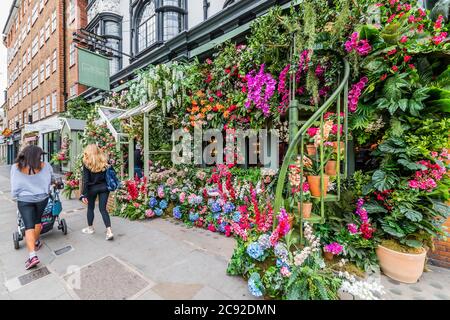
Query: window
(159, 24)
(35, 79)
(35, 112)
(146, 27)
(34, 14)
(48, 70)
(72, 11)
(54, 62)
(47, 106)
(42, 108)
(24, 60)
(29, 25)
(54, 102)
(54, 21)
(41, 37)
(42, 72)
(29, 85)
(72, 54)
(34, 46)
(24, 88)
(47, 29)
(41, 5)
(20, 93)
(29, 54)
(73, 90)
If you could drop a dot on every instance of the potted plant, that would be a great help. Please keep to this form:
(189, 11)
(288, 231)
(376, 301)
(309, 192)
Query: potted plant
(331, 250)
(305, 207)
(313, 169)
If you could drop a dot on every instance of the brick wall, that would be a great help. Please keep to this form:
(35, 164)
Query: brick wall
(441, 255)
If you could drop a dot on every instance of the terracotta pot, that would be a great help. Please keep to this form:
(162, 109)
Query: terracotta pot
(330, 168)
(403, 267)
(291, 220)
(311, 150)
(335, 146)
(328, 256)
(306, 209)
(314, 185)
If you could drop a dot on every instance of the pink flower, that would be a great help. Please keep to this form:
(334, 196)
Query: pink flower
(149, 213)
(439, 38)
(352, 228)
(403, 39)
(182, 197)
(394, 68)
(411, 19)
(438, 23)
(285, 271)
(312, 132)
(334, 248)
(391, 52)
(407, 59)
(422, 13)
(413, 184)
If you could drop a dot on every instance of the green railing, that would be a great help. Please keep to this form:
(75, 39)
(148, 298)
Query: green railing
(296, 151)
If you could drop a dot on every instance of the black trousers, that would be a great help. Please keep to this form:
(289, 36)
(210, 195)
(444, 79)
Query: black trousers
(31, 212)
(100, 191)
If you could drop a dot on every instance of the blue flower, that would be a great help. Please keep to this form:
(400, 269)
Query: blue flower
(255, 285)
(163, 204)
(221, 227)
(153, 202)
(193, 216)
(216, 215)
(228, 207)
(264, 241)
(281, 251)
(237, 216)
(255, 251)
(177, 214)
(215, 207)
(282, 263)
(158, 212)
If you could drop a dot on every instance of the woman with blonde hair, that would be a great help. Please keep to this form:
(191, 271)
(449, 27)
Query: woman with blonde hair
(95, 164)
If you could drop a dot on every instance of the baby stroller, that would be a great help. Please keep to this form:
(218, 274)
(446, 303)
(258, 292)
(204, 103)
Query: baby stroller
(48, 219)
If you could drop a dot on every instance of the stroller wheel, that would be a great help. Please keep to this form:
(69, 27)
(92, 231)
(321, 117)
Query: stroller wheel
(64, 226)
(16, 240)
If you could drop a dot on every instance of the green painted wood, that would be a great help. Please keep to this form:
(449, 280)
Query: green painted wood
(291, 152)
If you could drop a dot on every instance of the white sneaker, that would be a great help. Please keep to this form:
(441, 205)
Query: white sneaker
(88, 230)
(109, 234)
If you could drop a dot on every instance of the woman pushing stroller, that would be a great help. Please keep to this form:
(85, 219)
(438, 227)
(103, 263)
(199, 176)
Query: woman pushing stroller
(31, 179)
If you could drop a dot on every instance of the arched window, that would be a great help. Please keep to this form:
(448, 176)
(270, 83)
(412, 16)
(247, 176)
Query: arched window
(228, 3)
(158, 21)
(147, 26)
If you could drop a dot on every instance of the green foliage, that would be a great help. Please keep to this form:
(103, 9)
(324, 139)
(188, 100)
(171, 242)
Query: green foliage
(78, 108)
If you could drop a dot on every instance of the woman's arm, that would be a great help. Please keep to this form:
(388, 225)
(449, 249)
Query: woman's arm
(14, 188)
(85, 180)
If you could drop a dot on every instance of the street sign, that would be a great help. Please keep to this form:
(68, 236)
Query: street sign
(93, 70)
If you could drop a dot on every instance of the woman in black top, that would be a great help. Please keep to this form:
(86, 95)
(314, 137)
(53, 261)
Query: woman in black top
(94, 184)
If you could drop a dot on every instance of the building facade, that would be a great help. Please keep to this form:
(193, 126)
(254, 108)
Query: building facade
(40, 68)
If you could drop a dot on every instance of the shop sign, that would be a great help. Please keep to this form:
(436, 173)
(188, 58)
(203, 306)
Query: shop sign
(93, 70)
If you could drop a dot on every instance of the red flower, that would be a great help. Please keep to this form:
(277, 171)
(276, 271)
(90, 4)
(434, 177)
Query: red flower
(244, 89)
(232, 108)
(209, 78)
(412, 66)
(394, 68)
(227, 71)
(420, 28)
(407, 58)
(404, 39)
(211, 99)
(393, 51)
(383, 77)
(219, 94)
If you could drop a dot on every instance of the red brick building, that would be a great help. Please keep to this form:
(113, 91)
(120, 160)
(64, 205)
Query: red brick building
(42, 72)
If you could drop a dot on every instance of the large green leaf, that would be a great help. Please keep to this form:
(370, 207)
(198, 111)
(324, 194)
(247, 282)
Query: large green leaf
(374, 207)
(396, 232)
(413, 243)
(382, 181)
(411, 214)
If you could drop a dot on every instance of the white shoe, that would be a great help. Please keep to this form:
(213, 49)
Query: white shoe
(109, 234)
(88, 230)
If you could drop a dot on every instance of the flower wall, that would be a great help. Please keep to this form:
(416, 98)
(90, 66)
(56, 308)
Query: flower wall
(399, 124)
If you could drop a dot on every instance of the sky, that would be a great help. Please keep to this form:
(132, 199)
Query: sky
(4, 12)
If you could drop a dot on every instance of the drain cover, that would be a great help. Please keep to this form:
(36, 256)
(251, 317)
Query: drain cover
(63, 250)
(34, 275)
(107, 279)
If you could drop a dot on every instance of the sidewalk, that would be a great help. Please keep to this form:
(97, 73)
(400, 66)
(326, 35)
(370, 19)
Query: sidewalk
(155, 259)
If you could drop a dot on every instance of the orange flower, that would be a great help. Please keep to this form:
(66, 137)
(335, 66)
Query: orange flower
(195, 109)
(201, 116)
(226, 114)
(194, 102)
(200, 93)
(204, 110)
(203, 102)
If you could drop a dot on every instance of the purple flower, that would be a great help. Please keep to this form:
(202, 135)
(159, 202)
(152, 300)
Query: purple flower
(261, 88)
(334, 248)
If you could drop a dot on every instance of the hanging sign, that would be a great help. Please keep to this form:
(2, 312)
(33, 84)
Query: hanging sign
(93, 70)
